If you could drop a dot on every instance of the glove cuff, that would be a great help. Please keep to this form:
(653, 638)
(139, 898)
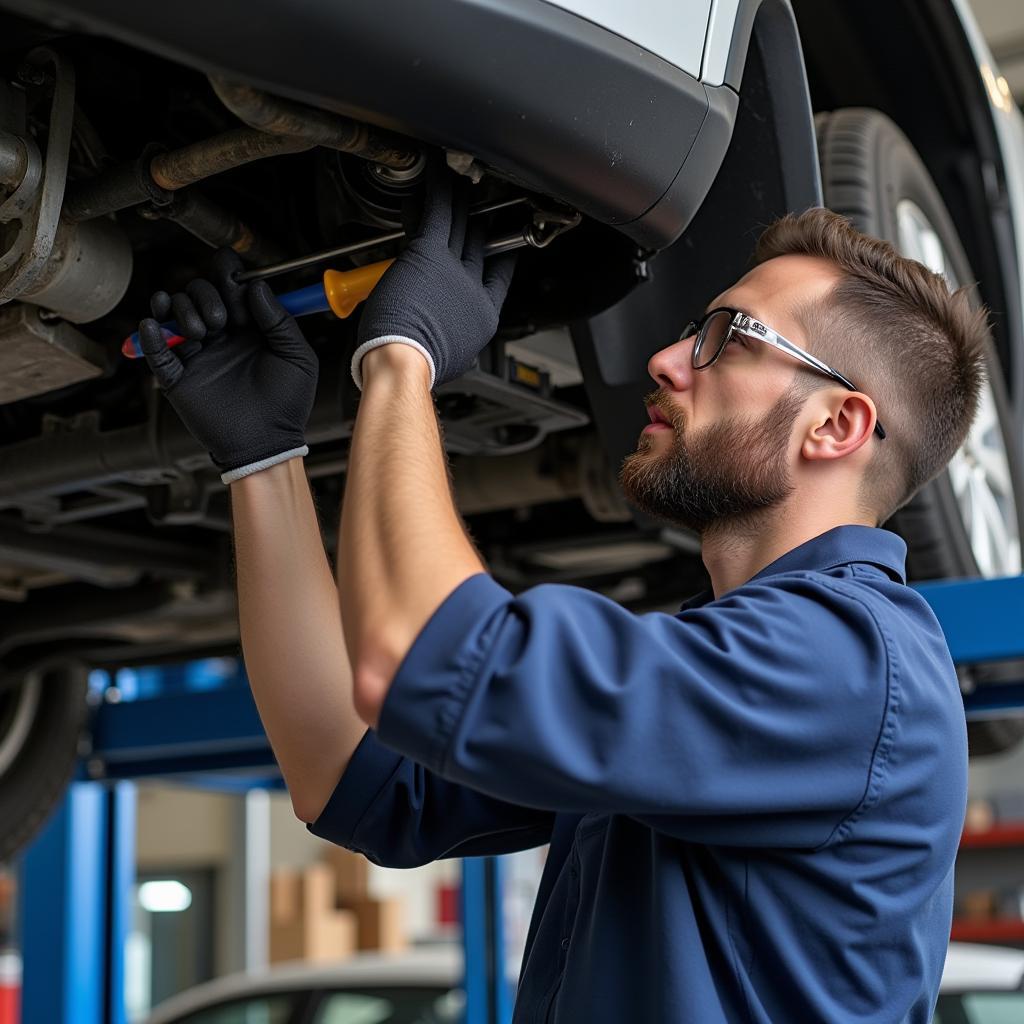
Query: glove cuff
(255, 467)
(389, 339)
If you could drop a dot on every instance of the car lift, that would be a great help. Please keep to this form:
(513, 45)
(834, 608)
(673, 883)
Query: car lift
(76, 881)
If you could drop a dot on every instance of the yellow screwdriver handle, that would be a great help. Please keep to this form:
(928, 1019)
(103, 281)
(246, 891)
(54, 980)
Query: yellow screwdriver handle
(345, 289)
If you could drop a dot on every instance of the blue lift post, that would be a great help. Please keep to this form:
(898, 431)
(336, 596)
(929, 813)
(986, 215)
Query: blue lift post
(75, 909)
(76, 878)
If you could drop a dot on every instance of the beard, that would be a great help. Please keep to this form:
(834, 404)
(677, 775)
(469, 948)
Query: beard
(725, 476)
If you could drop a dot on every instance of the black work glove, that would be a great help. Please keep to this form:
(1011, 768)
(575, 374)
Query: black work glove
(438, 296)
(244, 379)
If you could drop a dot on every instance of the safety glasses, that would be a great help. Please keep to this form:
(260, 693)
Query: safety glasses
(718, 326)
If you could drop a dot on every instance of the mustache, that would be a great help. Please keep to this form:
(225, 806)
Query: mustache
(658, 399)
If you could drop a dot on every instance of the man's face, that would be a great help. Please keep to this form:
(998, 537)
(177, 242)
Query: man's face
(725, 451)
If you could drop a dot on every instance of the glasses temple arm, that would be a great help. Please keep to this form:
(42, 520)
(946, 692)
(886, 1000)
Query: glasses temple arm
(779, 342)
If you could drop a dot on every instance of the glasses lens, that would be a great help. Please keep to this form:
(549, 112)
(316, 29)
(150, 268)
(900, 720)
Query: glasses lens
(711, 339)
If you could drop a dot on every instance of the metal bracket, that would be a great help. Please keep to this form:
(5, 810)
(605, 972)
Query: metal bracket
(486, 413)
(27, 257)
(546, 224)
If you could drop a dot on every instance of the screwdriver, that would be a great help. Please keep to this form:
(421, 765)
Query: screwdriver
(341, 291)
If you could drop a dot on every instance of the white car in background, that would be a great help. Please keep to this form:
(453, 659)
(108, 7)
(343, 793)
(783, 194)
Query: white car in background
(980, 985)
(422, 986)
(653, 138)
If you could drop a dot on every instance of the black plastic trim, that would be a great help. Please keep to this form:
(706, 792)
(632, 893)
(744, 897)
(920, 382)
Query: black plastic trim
(771, 168)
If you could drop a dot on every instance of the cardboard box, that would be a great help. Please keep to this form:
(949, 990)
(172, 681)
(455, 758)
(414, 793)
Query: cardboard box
(381, 925)
(979, 905)
(351, 875)
(980, 817)
(304, 922)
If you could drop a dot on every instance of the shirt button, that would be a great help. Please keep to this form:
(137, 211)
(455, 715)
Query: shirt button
(565, 943)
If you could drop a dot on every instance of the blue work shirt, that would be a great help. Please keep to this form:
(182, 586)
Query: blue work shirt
(753, 805)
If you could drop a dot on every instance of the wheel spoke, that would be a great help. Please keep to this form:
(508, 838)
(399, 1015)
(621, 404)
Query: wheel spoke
(983, 487)
(981, 539)
(1000, 531)
(959, 474)
(986, 418)
(993, 516)
(996, 468)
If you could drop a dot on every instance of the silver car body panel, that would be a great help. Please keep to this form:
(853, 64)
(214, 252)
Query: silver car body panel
(718, 43)
(674, 31)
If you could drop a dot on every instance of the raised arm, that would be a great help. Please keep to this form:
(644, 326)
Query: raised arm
(393, 810)
(243, 383)
(291, 633)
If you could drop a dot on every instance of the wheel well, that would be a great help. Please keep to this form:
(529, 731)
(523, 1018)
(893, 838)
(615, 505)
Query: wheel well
(914, 63)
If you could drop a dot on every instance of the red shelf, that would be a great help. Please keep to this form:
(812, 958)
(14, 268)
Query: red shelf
(999, 835)
(1009, 930)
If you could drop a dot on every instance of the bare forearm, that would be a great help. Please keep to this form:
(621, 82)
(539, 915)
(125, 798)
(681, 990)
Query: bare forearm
(403, 547)
(291, 632)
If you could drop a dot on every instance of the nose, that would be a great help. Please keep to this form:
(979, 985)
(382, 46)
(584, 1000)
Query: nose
(672, 367)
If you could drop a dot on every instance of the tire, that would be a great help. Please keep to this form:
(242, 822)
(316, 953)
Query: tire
(871, 174)
(42, 728)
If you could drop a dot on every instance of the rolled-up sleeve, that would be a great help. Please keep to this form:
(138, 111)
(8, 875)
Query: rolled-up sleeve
(762, 717)
(399, 814)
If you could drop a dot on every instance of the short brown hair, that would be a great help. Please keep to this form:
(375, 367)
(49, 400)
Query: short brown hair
(897, 331)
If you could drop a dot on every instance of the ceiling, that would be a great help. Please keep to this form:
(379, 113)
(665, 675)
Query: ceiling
(1002, 22)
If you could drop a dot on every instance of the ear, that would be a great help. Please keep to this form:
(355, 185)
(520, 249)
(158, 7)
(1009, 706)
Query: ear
(845, 423)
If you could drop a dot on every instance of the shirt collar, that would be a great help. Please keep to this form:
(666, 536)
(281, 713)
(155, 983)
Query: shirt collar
(838, 546)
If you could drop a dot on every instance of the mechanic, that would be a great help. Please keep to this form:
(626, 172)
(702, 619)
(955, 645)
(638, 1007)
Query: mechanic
(753, 806)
